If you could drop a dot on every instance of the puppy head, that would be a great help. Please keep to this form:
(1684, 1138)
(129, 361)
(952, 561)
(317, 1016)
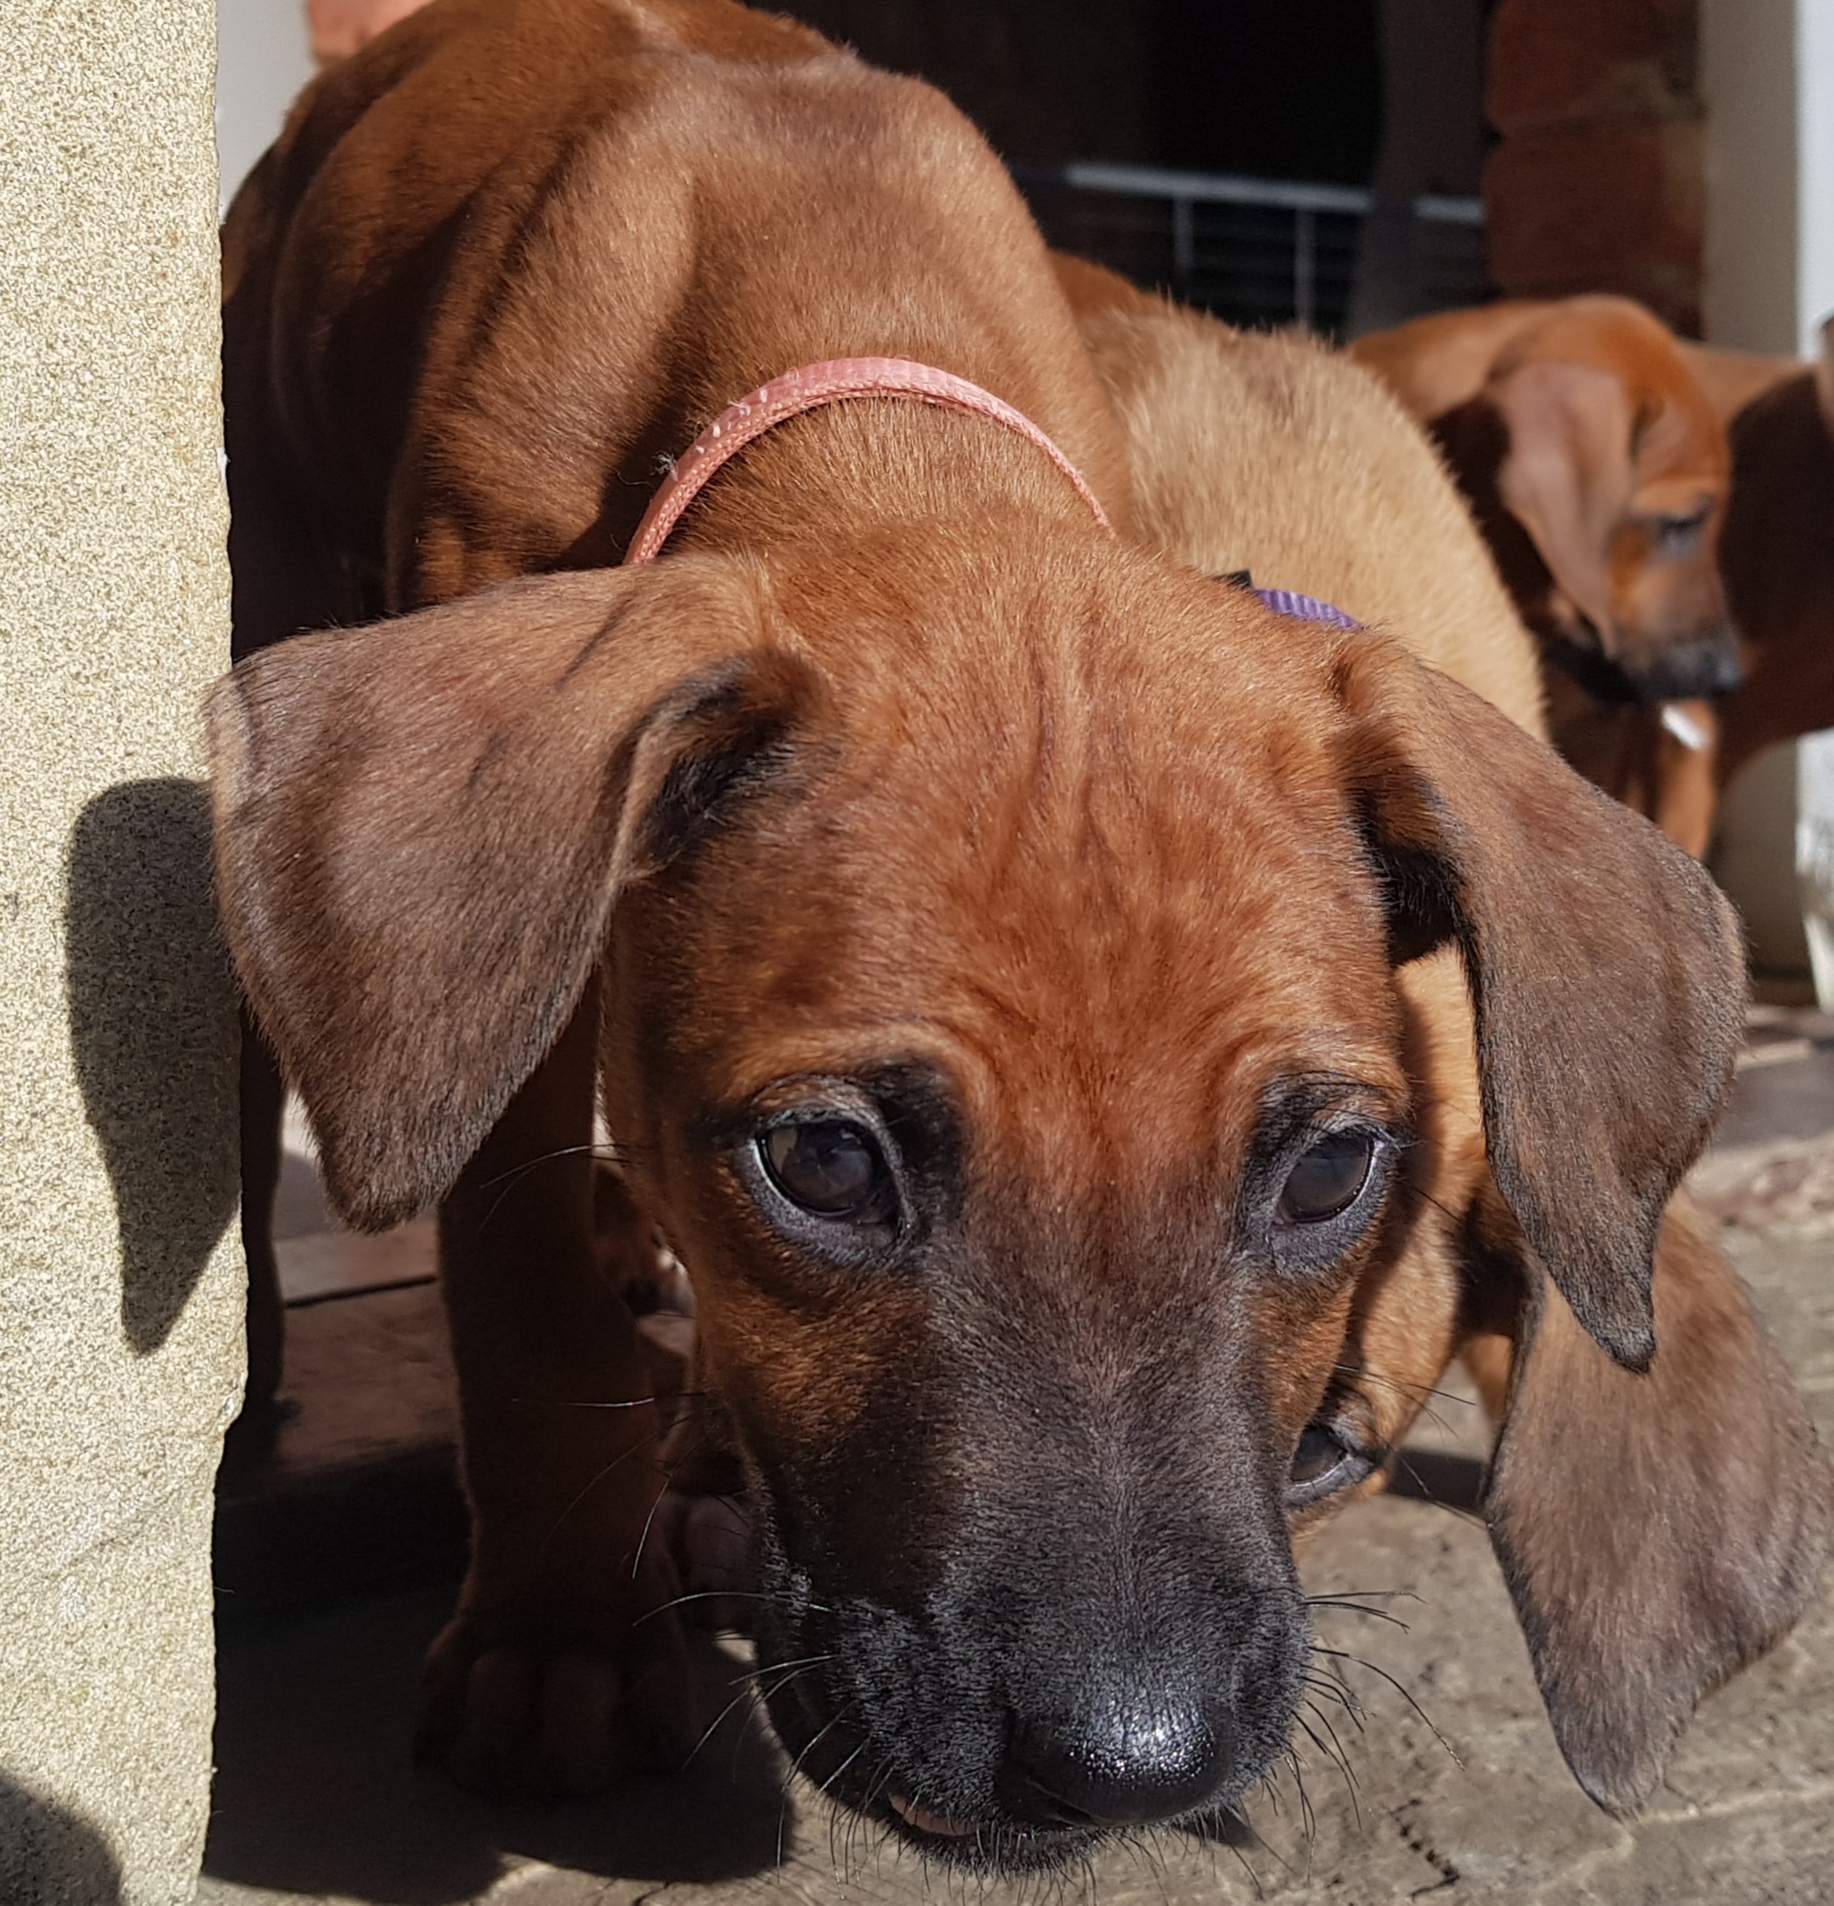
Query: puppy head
(1004, 1026)
(1600, 475)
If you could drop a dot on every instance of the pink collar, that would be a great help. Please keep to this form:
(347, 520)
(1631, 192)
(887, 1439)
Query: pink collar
(829, 382)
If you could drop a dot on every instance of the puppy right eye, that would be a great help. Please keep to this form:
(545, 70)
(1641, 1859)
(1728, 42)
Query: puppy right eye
(1678, 536)
(1328, 1177)
(829, 1168)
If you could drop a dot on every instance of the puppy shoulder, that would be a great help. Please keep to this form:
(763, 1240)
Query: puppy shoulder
(1276, 455)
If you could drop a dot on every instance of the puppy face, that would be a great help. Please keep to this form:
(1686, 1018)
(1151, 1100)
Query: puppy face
(1600, 476)
(1029, 1144)
(1065, 1017)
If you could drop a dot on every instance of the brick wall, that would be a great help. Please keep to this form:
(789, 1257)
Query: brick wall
(1597, 184)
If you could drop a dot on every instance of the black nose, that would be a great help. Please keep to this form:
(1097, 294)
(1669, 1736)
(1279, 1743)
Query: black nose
(1116, 1765)
(1684, 670)
(1726, 670)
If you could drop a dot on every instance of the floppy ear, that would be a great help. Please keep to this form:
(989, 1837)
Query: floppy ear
(422, 828)
(1657, 1532)
(1567, 475)
(1605, 968)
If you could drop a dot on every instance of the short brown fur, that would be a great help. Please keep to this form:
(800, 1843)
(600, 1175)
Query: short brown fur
(1364, 516)
(897, 799)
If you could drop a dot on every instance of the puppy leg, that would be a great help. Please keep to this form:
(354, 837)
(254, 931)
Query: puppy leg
(546, 1677)
(284, 577)
(1685, 794)
(701, 1523)
(263, 1097)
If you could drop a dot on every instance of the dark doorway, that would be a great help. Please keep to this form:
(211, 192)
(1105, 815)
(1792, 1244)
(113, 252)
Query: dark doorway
(1270, 89)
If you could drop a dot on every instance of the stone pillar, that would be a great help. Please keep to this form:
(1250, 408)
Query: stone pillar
(120, 1286)
(1597, 183)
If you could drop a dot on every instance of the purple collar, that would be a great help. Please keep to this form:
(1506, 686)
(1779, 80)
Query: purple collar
(1306, 608)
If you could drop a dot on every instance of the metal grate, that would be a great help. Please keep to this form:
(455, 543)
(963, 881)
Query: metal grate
(1254, 251)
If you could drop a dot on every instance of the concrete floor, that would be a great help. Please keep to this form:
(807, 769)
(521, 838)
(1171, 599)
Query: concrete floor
(1450, 1788)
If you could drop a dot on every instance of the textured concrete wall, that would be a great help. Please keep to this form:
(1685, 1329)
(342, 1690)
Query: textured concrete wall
(119, 1283)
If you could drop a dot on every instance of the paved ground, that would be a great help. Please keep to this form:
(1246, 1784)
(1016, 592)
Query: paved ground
(1460, 1798)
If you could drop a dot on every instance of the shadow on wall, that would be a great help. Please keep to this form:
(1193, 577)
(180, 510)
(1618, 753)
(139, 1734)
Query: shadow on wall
(153, 1034)
(50, 1856)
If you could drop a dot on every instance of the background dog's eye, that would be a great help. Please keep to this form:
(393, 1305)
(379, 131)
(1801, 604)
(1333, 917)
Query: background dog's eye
(1679, 535)
(828, 1167)
(1328, 1178)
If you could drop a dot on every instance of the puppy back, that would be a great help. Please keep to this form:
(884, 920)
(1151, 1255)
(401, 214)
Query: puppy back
(1272, 455)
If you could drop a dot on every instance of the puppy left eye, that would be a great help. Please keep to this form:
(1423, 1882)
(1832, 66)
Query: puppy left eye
(1328, 1178)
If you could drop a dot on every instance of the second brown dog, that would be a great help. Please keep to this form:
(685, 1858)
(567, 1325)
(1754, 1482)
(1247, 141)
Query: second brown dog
(1598, 472)
(1277, 457)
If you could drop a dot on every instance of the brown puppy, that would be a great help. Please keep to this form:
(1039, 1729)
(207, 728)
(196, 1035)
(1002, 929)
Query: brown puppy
(1598, 474)
(1349, 504)
(1776, 566)
(1776, 553)
(982, 938)
(1359, 509)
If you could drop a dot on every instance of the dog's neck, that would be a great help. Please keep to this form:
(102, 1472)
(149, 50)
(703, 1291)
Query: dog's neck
(815, 386)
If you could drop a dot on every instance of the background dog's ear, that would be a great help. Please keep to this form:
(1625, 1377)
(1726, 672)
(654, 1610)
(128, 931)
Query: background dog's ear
(1606, 971)
(422, 827)
(1567, 474)
(1657, 1532)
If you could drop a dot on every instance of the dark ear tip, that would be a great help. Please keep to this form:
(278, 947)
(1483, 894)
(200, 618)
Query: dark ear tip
(1624, 1331)
(373, 1198)
(1631, 1347)
(1618, 1759)
(1623, 1799)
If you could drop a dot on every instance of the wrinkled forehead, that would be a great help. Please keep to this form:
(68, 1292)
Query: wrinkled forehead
(1112, 910)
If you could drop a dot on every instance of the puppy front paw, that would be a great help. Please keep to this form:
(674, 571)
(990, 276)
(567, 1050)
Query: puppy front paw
(558, 1700)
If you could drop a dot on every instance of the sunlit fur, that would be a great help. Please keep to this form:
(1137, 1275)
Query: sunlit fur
(897, 785)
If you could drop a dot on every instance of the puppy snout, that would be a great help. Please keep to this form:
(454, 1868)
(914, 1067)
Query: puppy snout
(1699, 669)
(1682, 671)
(1726, 667)
(1121, 1763)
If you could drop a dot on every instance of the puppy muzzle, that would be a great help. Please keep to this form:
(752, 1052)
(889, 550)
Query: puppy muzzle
(1680, 671)
(1002, 1743)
